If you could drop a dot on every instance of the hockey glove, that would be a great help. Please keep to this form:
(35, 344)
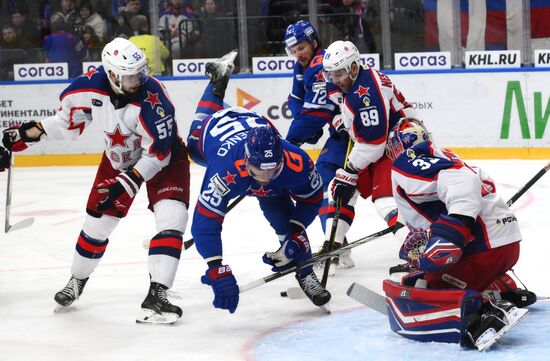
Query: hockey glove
(4, 159)
(294, 250)
(344, 185)
(120, 191)
(224, 285)
(414, 245)
(15, 137)
(448, 236)
(338, 124)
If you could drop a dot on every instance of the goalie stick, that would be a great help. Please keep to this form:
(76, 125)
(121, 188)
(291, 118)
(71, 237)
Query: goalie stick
(297, 293)
(21, 224)
(189, 243)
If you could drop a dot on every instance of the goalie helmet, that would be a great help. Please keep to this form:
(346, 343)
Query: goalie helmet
(127, 62)
(299, 32)
(338, 61)
(405, 134)
(263, 153)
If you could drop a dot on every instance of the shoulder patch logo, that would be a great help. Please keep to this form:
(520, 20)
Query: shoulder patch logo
(160, 112)
(96, 102)
(219, 185)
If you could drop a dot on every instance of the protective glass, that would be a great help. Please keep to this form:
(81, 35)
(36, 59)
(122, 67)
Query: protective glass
(266, 173)
(135, 80)
(336, 76)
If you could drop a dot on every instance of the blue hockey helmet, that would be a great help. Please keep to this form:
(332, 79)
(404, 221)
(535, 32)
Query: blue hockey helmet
(299, 32)
(405, 134)
(263, 153)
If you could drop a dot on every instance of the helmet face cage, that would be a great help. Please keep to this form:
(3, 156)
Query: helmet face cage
(405, 134)
(297, 33)
(263, 153)
(127, 62)
(339, 59)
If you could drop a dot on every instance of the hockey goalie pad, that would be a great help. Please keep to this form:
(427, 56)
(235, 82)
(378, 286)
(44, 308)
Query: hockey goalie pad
(426, 315)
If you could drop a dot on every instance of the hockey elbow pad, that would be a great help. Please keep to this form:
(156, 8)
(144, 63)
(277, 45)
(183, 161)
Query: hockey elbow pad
(448, 236)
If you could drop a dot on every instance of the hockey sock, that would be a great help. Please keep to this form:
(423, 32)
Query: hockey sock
(164, 255)
(87, 255)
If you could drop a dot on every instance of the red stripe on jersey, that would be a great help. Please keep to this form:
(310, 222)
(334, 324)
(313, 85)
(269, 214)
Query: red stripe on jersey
(85, 90)
(347, 212)
(166, 242)
(317, 113)
(326, 210)
(72, 125)
(311, 200)
(211, 105)
(90, 247)
(209, 214)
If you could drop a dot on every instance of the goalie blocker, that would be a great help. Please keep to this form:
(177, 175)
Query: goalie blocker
(448, 315)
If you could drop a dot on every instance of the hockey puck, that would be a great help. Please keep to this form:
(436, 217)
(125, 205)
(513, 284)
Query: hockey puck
(283, 294)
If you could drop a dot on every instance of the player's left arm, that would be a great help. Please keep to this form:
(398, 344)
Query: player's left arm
(158, 130)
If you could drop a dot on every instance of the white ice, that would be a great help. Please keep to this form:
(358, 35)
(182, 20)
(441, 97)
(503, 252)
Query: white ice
(35, 263)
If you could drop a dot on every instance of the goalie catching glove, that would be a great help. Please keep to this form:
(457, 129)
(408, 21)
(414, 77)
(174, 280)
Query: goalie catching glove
(438, 249)
(16, 137)
(294, 250)
(120, 190)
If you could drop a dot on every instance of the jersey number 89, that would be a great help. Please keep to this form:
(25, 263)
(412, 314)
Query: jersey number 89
(370, 117)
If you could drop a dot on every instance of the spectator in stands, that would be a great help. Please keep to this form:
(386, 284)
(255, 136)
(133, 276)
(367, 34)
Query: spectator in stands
(25, 28)
(153, 48)
(355, 27)
(216, 37)
(140, 7)
(12, 51)
(64, 14)
(88, 17)
(91, 39)
(178, 11)
(62, 46)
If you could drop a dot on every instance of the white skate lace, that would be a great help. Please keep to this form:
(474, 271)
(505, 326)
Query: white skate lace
(311, 284)
(72, 289)
(161, 294)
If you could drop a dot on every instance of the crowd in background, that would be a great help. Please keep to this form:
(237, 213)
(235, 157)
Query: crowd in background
(73, 31)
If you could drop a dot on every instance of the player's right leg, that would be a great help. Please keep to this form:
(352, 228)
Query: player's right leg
(220, 71)
(93, 238)
(90, 247)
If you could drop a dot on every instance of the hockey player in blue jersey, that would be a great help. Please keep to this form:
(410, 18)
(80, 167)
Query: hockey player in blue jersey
(312, 110)
(141, 146)
(245, 155)
(463, 238)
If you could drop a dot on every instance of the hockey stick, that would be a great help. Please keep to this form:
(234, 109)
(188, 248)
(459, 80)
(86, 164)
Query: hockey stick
(21, 224)
(317, 259)
(529, 184)
(334, 227)
(189, 243)
(297, 293)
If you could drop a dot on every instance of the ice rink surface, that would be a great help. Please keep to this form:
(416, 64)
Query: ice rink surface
(35, 263)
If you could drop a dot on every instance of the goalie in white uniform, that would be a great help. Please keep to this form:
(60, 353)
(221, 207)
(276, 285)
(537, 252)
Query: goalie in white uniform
(463, 238)
(141, 145)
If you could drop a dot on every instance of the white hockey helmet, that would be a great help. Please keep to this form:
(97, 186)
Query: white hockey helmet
(339, 59)
(405, 134)
(127, 62)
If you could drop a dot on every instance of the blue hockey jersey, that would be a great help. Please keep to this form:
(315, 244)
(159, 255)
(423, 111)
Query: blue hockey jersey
(221, 141)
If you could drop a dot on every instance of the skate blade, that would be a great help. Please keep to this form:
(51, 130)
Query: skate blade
(151, 317)
(326, 308)
(488, 341)
(63, 309)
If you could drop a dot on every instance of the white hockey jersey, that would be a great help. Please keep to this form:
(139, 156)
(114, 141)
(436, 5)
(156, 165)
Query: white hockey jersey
(429, 181)
(371, 107)
(140, 132)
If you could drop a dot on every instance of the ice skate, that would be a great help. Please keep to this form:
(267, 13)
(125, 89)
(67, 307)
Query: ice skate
(342, 261)
(70, 293)
(497, 319)
(156, 307)
(220, 71)
(314, 290)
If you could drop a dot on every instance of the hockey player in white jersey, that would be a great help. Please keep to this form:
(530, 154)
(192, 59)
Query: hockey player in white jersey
(462, 236)
(141, 146)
